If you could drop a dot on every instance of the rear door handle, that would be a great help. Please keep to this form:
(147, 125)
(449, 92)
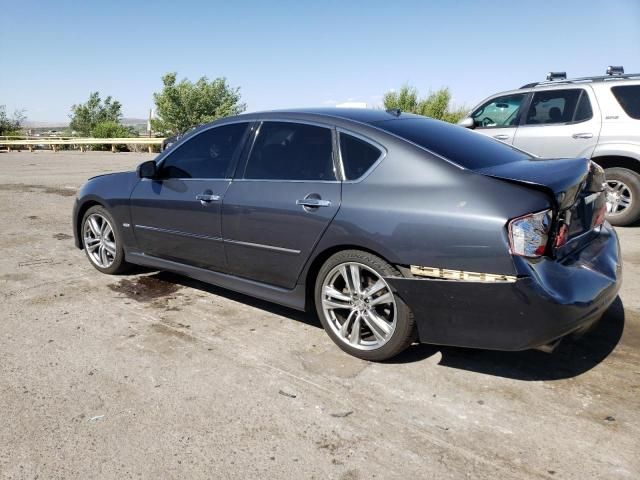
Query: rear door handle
(501, 137)
(582, 135)
(313, 202)
(207, 198)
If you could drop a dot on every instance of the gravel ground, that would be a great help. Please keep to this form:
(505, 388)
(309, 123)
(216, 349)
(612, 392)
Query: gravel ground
(152, 375)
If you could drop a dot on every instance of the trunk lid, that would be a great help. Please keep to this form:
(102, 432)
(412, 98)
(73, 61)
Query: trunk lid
(576, 187)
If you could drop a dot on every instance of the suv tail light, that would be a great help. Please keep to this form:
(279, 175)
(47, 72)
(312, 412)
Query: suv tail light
(529, 234)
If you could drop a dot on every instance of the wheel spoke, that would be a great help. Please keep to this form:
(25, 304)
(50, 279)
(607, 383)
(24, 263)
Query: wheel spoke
(331, 292)
(380, 323)
(103, 256)
(375, 329)
(93, 246)
(354, 336)
(347, 280)
(344, 329)
(106, 229)
(93, 225)
(355, 277)
(333, 304)
(110, 247)
(384, 298)
(375, 288)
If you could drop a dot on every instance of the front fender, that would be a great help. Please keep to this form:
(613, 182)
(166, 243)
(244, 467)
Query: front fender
(113, 192)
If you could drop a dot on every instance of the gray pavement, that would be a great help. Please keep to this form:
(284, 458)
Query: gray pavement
(152, 375)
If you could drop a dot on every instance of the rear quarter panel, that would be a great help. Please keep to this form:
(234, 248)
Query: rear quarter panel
(418, 209)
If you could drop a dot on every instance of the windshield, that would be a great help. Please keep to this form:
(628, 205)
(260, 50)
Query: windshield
(460, 145)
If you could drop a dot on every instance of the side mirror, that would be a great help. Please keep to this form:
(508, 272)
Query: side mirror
(467, 123)
(147, 169)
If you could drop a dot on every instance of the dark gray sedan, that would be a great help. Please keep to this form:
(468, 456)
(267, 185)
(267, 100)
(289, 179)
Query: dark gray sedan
(394, 227)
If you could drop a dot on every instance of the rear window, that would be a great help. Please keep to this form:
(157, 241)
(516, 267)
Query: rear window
(628, 97)
(460, 145)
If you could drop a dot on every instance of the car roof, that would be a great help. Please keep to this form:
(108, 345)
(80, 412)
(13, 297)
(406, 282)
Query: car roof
(360, 115)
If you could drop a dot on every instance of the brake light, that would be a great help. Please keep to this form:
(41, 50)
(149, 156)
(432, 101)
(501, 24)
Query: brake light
(529, 234)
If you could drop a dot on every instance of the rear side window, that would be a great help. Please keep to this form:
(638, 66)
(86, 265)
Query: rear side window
(559, 106)
(291, 151)
(357, 156)
(207, 155)
(628, 97)
(460, 145)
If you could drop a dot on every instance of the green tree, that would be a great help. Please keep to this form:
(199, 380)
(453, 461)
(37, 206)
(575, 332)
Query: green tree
(111, 129)
(436, 105)
(182, 105)
(11, 125)
(85, 116)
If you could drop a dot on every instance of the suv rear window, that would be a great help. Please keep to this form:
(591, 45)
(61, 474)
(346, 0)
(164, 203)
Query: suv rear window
(628, 97)
(464, 147)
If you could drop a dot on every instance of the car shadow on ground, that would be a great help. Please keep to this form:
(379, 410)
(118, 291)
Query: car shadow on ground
(574, 355)
(307, 318)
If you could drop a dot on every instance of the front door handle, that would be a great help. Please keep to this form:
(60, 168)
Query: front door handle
(206, 198)
(501, 137)
(313, 203)
(582, 135)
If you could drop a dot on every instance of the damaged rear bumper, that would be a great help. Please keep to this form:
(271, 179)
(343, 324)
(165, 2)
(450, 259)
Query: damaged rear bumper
(552, 299)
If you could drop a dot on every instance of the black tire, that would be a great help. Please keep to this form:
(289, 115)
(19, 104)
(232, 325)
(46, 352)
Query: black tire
(632, 181)
(404, 331)
(118, 265)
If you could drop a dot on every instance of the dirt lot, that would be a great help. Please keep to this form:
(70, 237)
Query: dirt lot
(157, 376)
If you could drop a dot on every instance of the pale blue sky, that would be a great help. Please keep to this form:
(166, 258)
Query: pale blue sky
(298, 53)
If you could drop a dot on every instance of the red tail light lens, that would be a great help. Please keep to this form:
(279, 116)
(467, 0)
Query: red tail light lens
(529, 234)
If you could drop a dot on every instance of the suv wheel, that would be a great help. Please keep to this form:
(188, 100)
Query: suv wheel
(359, 310)
(623, 196)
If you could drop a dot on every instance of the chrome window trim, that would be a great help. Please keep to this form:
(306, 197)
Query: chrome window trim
(198, 131)
(386, 132)
(261, 122)
(373, 143)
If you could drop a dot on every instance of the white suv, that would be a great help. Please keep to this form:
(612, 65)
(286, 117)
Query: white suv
(593, 117)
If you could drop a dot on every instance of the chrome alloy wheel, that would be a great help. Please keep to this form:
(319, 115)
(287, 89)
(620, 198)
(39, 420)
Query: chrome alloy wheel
(99, 240)
(619, 197)
(359, 306)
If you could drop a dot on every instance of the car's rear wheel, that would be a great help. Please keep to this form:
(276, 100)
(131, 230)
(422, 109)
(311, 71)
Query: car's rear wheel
(623, 196)
(102, 242)
(358, 309)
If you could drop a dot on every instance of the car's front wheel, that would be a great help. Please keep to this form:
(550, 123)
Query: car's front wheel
(623, 196)
(102, 242)
(358, 309)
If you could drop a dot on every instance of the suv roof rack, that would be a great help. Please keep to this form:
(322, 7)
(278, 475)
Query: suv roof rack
(554, 78)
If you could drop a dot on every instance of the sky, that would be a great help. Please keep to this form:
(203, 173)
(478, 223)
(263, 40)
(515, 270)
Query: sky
(286, 54)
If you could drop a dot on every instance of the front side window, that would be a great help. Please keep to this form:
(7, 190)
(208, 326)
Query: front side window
(357, 156)
(558, 107)
(291, 151)
(499, 112)
(207, 155)
(628, 97)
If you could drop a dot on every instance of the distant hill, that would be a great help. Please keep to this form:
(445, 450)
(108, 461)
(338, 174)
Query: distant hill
(60, 125)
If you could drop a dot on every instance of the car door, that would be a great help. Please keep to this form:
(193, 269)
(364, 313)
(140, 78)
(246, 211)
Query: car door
(176, 216)
(560, 123)
(498, 117)
(283, 198)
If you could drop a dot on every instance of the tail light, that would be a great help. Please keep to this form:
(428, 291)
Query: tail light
(529, 234)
